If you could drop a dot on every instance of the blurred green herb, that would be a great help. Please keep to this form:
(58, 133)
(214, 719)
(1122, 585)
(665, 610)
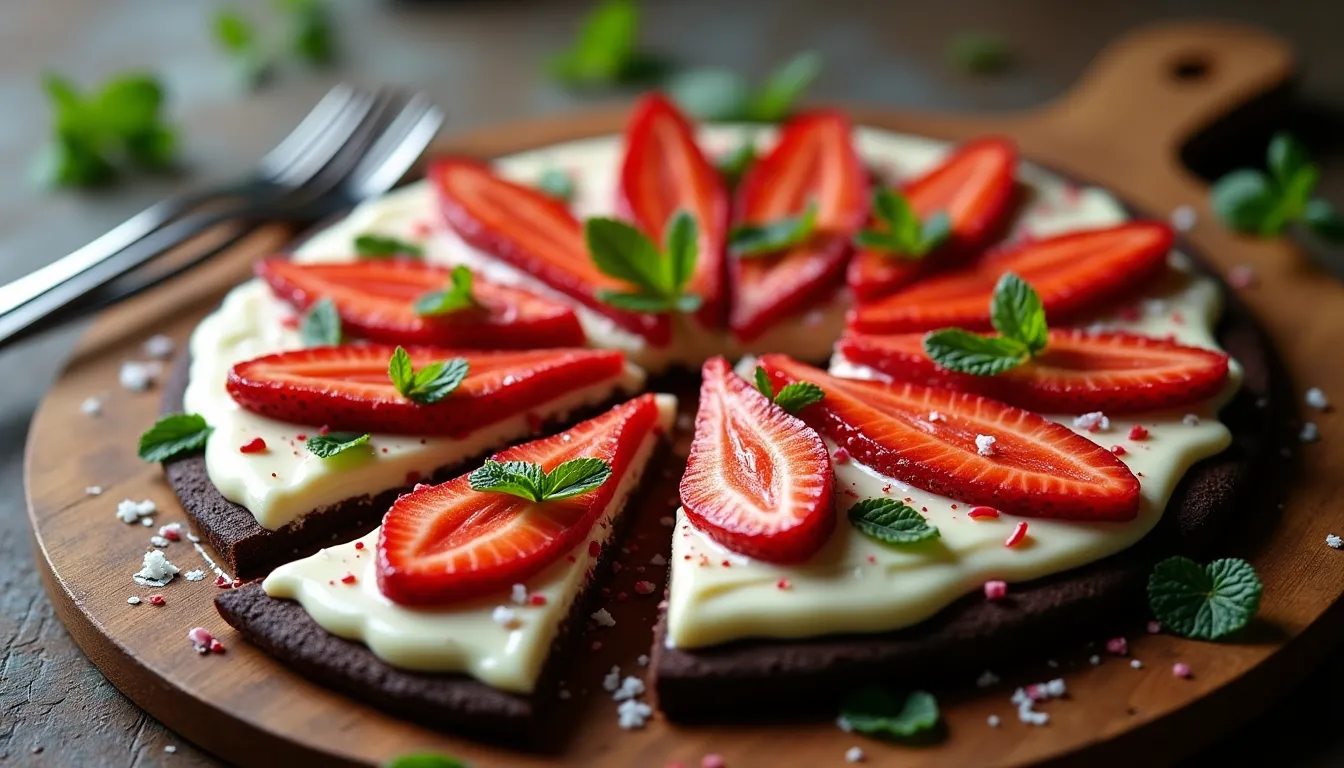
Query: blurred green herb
(310, 30)
(238, 38)
(723, 95)
(734, 165)
(979, 53)
(98, 134)
(606, 50)
(308, 36)
(557, 183)
(1253, 202)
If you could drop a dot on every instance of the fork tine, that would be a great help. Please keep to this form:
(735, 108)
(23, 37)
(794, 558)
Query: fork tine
(332, 139)
(397, 149)
(276, 162)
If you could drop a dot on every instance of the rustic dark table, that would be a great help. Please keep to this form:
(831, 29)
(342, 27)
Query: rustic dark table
(480, 60)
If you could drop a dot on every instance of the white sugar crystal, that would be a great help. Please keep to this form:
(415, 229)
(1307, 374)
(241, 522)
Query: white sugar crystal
(1020, 697)
(196, 575)
(1032, 717)
(658, 560)
(667, 521)
(504, 616)
(935, 416)
(1055, 688)
(629, 688)
(854, 755)
(984, 445)
(643, 660)
(91, 406)
(564, 694)
(994, 721)
(1094, 660)
(1183, 218)
(612, 680)
(603, 618)
(137, 376)
(1095, 421)
(156, 570)
(633, 714)
(518, 594)
(1190, 420)
(93, 490)
(170, 749)
(986, 679)
(129, 511)
(1334, 542)
(1310, 433)
(1317, 399)
(1136, 664)
(133, 600)
(1155, 306)
(158, 541)
(159, 346)
(147, 522)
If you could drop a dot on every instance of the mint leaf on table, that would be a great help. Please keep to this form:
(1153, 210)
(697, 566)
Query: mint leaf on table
(311, 34)
(658, 277)
(890, 521)
(557, 184)
(236, 36)
(771, 237)
(332, 443)
(456, 297)
(174, 435)
(321, 325)
(373, 246)
(904, 234)
(1204, 602)
(722, 95)
(792, 397)
(527, 480)
(606, 50)
(1322, 218)
(1253, 202)
(429, 384)
(425, 760)
(97, 135)
(1016, 312)
(873, 711)
(979, 53)
(784, 87)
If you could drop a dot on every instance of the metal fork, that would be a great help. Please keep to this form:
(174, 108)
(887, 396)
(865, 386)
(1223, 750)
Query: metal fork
(382, 148)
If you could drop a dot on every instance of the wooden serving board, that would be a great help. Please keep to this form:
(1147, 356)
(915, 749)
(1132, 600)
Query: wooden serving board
(1121, 127)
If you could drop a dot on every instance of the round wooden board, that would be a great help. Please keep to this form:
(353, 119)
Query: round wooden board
(1121, 128)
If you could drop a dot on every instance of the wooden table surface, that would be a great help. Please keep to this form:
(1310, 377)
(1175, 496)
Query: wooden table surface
(480, 61)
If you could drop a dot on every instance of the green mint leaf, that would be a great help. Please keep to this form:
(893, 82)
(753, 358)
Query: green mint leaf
(321, 325)
(734, 165)
(682, 249)
(890, 521)
(713, 94)
(457, 296)
(604, 51)
(1204, 602)
(174, 435)
(401, 371)
(311, 34)
(784, 87)
(437, 380)
(518, 478)
(935, 231)
(875, 712)
(574, 477)
(425, 760)
(644, 302)
(93, 134)
(371, 246)
(129, 104)
(966, 352)
(557, 184)
(234, 32)
(1322, 218)
(763, 384)
(798, 395)
(154, 148)
(979, 53)
(1286, 157)
(332, 443)
(1016, 312)
(623, 252)
(903, 235)
(753, 240)
(881, 241)
(894, 210)
(1245, 200)
(1294, 196)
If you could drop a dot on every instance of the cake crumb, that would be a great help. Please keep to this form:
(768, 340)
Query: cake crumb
(984, 445)
(1242, 276)
(603, 618)
(159, 541)
(996, 589)
(1315, 398)
(713, 760)
(1310, 433)
(854, 755)
(91, 406)
(1094, 660)
(1117, 646)
(1334, 542)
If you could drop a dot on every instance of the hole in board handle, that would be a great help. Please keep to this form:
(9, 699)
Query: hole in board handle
(1190, 67)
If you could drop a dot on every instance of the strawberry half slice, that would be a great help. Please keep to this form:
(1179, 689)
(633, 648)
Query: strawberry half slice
(1079, 372)
(1073, 273)
(974, 186)
(758, 480)
(376, 300)
(535, 234)
(664, 172)
(928, 438)
(347, 388)
(444, 543)
(813, 162)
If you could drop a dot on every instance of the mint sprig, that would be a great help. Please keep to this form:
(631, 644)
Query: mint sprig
(1016, 312)
(723, 95)
(1253, 202)
(456, 297)
(370, 245)
(1204, 602)
(978, 52)
(425, 760)
(904, 234)
(174, 435)
(429, 384)
(529, 481)
(793, 397)
(307, 25)
(659, 278)
(733, 165)
(557, 183)
(891, 521)
(98, 134)
(764, 239)
(321, 325)
(333, 443)
(237, 37)
(873, 711)
(605, 52)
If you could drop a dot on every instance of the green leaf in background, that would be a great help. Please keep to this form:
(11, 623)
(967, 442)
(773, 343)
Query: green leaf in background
(425, 760)
(96, 135)
(333, 443)
(457, 296)
(236, 36)
(174, 435)
(785, 87)
(557, 184)
(904, 235)
(1322, 218)
(721, 95)
(1244, 199)
(890, 521)
(321, 325)
(311, 35)
(873, 711)
(605, 51)
(680, 249)
(978, 52)
(1253, 202)
(1204, 602)
(374, 246)
(771, 237)
(734, 165)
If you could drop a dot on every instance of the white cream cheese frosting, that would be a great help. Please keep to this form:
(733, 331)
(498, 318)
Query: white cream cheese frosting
(467, 637)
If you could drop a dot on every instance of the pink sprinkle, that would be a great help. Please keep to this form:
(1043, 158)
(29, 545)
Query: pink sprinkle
(616, 567)
(157, 600)
(200, 639)
(537, 599)
(995, 589)
(348, 578)
(1035, 692)
(645, 587)
(594, 549)
(596, 645)
(256, 445)
(221, 582)
(1137, 432)
(324, 430)
(1178, 318)
(1242, 276)
(1019, 533)
(290, 321)
(421, 229)
(1117, 646)
(784, 584)
(1154, 627)
(171, 531)
(359, 545)
(1118, 450)
(712, 760)
(872, 559)
(982, 513)
(841, 456)
(1180, 669)
(216, 646)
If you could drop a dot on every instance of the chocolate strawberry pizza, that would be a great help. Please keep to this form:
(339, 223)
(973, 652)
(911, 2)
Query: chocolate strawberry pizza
(949, 404)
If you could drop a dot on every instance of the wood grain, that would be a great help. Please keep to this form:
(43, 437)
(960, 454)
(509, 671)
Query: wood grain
(1120, 127)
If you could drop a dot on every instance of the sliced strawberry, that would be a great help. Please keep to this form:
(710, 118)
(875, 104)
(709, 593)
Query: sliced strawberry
(1036, 467)
(376, 300)
(814, 161)
(1078, 372)
(974, 186)
(758, 481)
(444, 543)
(664, 172)
(1073, 274)
(347, 388)
(534, 233)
